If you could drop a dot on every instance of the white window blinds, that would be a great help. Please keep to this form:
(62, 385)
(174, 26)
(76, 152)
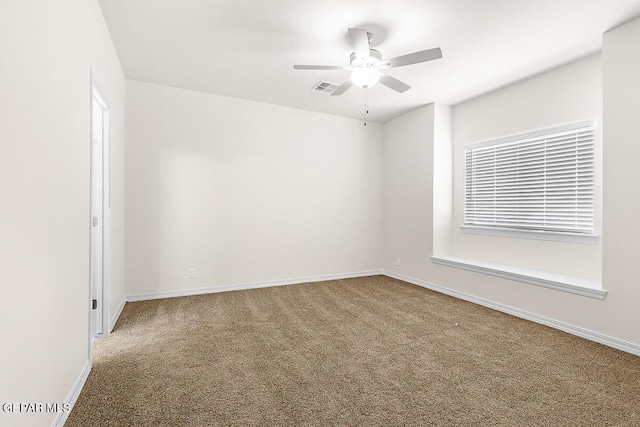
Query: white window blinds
(539, 181)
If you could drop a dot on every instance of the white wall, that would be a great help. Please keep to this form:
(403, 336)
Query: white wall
(408, 193)
(417, 171)
(245, 192)
(408, 204)
(46, 53)
(442, 180)
(566, 94)
(621, 75)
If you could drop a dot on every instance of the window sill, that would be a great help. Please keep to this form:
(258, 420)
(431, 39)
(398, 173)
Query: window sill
(572, 284)
(589, 239)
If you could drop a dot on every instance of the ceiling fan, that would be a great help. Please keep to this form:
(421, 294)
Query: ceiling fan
(366, 64)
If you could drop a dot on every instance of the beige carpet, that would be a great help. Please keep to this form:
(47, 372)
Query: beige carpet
(359, 352)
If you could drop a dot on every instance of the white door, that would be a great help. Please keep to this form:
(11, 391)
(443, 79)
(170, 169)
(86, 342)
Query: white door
(99, 213)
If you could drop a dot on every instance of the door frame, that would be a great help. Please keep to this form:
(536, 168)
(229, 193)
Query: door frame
(104, 226)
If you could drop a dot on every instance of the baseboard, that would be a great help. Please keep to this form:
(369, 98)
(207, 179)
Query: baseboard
(73, 395)
(566, 327)
(117, 314)
(254, 285)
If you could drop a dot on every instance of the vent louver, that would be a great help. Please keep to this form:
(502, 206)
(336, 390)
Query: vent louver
(326, 87)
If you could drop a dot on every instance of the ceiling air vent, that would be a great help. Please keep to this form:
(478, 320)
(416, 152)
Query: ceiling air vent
(326, 87)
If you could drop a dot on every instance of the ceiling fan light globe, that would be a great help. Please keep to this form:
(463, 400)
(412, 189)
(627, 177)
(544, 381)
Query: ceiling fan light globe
(365, 77)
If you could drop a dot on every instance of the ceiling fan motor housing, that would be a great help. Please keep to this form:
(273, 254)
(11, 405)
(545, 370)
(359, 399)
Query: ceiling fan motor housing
(375, 58)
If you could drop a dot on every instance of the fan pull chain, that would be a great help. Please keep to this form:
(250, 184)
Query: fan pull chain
(366, 104)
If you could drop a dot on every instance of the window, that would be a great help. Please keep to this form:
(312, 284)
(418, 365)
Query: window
(540, 182)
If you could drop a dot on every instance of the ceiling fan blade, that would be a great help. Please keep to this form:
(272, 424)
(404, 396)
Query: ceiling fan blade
(317, 67)
(393, 83)
(359, 42)
(342, 88)
(414, 58)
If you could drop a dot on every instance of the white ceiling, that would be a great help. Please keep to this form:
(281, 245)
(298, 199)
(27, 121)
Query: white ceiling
(247, 48)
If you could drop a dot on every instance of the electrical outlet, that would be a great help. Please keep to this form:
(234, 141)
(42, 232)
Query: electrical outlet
(191, 273)
(397, 261)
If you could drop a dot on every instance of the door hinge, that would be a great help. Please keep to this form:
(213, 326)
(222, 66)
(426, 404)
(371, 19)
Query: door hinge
(94, 304)
(94, 221)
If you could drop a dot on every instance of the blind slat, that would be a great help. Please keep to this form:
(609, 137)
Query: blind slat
(543, 181)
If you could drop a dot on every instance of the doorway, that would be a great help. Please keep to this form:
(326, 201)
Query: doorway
(100, 213)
